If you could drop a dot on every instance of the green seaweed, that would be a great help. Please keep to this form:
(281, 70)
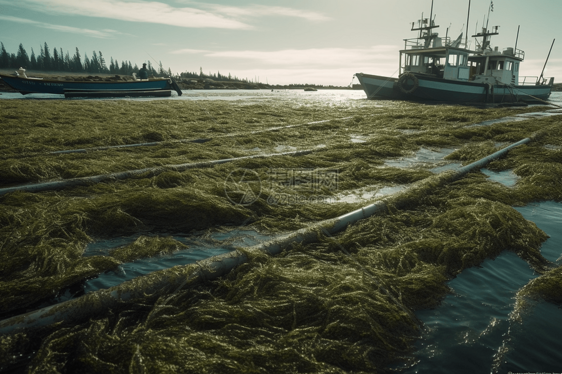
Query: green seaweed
(343, 304)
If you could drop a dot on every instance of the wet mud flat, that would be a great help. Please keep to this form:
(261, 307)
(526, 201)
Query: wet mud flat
(345, 303)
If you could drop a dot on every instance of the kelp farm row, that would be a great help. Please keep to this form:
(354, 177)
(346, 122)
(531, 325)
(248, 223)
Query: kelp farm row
(342, 304)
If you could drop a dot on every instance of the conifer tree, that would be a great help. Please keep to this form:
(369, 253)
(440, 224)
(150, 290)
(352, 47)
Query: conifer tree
(4, 57)
(33, 60)
(67, 62)
(77, 62)
(22, 59)
(101, 61)
(94, 63)
(56, 60)
(47, 58)
(87, 64)
(41, 58)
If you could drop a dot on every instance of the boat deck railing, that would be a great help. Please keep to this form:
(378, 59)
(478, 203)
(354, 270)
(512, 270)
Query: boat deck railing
(520, 54)
(531, 80)
(416, 43)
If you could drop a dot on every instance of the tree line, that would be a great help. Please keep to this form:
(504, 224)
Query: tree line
(58, 60)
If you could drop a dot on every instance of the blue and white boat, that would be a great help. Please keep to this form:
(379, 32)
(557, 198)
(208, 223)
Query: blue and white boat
(436, 68)
(98, 87)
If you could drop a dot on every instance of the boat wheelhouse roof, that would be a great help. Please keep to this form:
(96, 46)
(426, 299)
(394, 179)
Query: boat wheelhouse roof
(439, 51)
(496, 57)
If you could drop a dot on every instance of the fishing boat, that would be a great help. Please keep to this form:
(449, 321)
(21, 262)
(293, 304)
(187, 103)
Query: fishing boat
(437, 68)
(92, 86)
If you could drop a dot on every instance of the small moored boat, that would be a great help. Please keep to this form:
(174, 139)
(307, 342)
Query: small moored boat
(97, 87)
(435, 68)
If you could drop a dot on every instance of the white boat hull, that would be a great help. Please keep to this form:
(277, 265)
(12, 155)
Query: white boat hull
(436, 89)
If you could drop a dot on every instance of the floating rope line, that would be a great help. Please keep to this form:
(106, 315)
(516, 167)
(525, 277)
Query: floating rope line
(149, 172)
(536, 98)
(153, 144)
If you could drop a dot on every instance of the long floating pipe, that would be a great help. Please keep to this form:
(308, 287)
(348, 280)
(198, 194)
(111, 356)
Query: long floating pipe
(153, 144)
(170, 280)
(85, 181)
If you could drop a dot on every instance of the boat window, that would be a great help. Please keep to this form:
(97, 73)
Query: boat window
(516, 66)
(412, 60)
(462, 60)
(509, 65)
(453, 59)
(500, 65)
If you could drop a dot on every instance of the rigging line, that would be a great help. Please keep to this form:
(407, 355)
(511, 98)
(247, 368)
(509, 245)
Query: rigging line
(536, 98)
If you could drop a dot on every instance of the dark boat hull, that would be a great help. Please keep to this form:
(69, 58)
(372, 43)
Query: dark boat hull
(30, 85)
(435, 89)
(135, 93)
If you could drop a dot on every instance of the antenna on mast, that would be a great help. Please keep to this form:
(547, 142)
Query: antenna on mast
(431, 15)
(489, 9)
(516, 40)
(467, 19)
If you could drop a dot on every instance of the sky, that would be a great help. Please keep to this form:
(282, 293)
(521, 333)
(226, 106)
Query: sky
(275, 41)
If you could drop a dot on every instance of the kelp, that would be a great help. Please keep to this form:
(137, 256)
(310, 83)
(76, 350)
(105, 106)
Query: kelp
(547, 287)
(338, 305)
(343, 304)
(23, 283)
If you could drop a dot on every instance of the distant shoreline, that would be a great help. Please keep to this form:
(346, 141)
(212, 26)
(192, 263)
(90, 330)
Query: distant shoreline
(189, 83)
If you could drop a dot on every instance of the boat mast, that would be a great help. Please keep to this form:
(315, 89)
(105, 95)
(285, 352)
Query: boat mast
(425, 31)
(489, 9)
(516, 40)
(540, 78)
(431, 14)
(467, 19)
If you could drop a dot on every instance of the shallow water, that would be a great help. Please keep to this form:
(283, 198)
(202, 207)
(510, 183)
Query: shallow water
(199, 248)
(228, 95)
(506, 177)
(250, 95)
(423, 158)
(465, 332)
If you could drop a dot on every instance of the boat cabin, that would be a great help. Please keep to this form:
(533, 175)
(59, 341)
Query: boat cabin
(495, 67)
(489, 65)
(434, 55)
(441, 62)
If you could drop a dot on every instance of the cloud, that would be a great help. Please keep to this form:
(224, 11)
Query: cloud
(313, 57)
(103, 34)
(263, 10)
(134, 11)
(189, 51)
